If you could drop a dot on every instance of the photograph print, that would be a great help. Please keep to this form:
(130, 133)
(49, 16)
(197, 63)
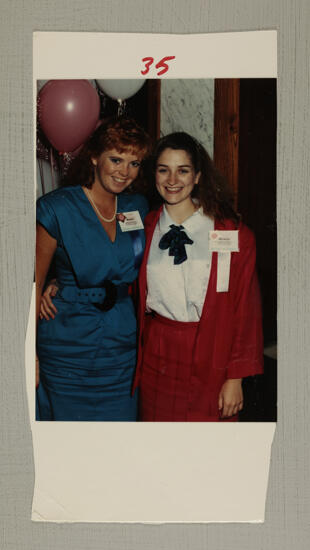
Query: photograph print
(156, 250)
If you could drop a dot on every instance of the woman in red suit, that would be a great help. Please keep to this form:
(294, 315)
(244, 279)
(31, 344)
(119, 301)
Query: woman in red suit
(200, 313)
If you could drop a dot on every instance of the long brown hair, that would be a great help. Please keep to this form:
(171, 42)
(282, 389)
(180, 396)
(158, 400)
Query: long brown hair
(212, 190)
(122, 134)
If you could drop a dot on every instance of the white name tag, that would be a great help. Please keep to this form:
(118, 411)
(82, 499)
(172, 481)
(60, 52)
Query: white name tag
(130, 221)
(223, 271)
(223, 241)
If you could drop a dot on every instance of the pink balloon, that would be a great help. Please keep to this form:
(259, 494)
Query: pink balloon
(68, 111)
(77, 151)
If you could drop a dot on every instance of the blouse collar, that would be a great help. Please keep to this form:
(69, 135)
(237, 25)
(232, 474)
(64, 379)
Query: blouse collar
(192, 223)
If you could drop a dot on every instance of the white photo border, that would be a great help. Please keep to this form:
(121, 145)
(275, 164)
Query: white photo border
(149, 472)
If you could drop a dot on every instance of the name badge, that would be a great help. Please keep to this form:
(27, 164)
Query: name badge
(130, 221)
(223, 241)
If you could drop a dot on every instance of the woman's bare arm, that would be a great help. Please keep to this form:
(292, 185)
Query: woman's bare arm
(45, 250)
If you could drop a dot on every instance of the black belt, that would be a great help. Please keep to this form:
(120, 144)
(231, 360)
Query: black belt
(104, 297)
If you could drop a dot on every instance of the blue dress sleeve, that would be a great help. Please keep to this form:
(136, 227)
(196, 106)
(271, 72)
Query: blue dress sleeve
(46, 217)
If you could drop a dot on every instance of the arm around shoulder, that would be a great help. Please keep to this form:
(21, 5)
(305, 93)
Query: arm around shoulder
(45, 250)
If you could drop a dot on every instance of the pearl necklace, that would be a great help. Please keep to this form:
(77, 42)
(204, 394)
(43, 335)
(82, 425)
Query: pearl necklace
(97, 209)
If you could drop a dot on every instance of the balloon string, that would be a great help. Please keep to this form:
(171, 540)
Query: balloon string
(52, 168)
(121, 107)
(41, 175)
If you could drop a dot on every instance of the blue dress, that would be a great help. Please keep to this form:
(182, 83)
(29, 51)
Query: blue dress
(87, 356)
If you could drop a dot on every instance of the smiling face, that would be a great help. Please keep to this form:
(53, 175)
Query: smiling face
(114, 171)
(175, 176)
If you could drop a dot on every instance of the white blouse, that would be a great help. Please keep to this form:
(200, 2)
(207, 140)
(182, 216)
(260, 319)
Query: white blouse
(178, 291)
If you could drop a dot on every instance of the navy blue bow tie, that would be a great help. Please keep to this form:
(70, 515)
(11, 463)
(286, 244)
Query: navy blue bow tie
(175, 240)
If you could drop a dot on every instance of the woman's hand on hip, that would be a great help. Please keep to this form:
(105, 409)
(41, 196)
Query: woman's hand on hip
(47, 308)
(231, 397)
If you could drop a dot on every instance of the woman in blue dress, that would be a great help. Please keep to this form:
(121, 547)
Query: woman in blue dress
(86, 353)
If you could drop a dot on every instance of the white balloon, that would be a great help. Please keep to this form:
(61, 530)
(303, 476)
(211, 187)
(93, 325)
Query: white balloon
(120, 89)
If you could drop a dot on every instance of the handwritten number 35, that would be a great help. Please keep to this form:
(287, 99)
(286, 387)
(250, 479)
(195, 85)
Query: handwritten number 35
(148, 61)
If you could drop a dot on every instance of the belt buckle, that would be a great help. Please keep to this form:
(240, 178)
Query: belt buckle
(110, 297)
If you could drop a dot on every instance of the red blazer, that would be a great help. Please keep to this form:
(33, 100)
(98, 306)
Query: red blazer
(229, 340)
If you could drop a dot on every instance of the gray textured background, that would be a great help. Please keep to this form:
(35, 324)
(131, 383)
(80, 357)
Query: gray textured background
(287, 513)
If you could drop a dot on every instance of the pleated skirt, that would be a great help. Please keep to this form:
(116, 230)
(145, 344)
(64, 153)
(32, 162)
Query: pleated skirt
(166, 370)
(170, 390)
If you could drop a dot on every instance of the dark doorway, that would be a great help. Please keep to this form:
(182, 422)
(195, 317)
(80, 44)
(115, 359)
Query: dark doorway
(245, 152)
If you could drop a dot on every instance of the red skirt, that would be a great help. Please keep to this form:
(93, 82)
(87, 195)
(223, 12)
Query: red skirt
(166, 389)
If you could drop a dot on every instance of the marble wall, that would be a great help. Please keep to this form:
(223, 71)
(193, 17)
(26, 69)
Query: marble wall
(46, 180)
(188, 105)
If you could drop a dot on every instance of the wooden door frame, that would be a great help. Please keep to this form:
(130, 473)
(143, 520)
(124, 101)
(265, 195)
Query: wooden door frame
(226, 130)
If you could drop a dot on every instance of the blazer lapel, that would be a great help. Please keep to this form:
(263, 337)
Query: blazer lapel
(150, 224)
(149, 227)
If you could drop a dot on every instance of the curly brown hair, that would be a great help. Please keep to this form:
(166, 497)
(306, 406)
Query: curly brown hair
(212, 190)
(122, 134)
